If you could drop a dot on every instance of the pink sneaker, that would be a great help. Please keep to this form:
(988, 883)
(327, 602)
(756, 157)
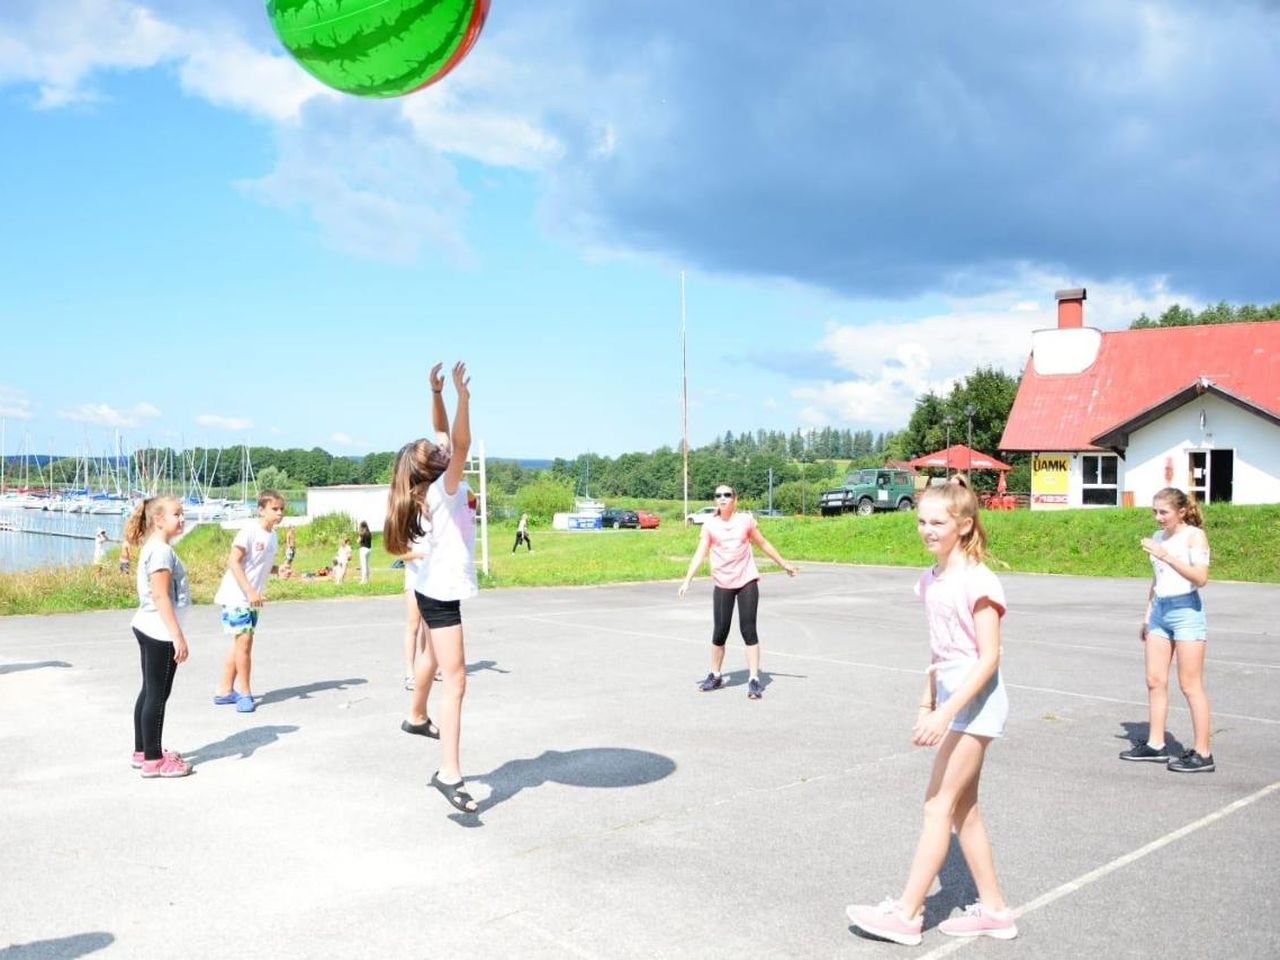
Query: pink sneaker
(167, 766)
(886, 921)
(139, 756)
(978, 921)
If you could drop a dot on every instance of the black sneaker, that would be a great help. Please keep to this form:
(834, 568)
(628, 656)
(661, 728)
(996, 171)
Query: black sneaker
(710, 682)
(1192, 762)
(754, 690)
(1144, 751)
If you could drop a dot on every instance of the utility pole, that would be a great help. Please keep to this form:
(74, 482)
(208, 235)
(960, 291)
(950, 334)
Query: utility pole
(684, 397)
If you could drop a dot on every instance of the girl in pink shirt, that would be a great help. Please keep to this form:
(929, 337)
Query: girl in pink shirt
(727, 536)
(962, 708)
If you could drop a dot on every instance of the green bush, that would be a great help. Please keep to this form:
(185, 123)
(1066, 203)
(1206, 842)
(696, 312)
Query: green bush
(327, 530)
(543, 499)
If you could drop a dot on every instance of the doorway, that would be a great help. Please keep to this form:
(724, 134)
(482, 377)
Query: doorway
(1211, 475)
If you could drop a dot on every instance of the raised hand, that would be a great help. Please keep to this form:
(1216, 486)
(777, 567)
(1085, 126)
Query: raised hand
(435, 378)
(461, 382)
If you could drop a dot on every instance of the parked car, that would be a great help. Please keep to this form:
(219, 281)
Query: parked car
(699, 515)
(869, 490)
(612, 517)
(648, 521)
(767, 513)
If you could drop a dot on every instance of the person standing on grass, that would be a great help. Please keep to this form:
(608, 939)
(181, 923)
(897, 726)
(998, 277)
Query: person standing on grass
(1175, 624)
(522, 534)
(427, 488)
(727, 536)
(163, 601)
(99, 547)
(366, 548)
(341, 559)
(241, 596)
(126, 555)
(962, 708)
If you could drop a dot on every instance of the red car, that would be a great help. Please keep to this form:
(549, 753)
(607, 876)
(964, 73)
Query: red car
(648, 521)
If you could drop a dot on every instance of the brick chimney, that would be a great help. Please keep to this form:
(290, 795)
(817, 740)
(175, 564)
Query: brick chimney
(1070, 308)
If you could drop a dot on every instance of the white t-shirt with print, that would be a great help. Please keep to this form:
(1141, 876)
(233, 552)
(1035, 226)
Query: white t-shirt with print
(449, 570)
(157, 555)
(259, 548)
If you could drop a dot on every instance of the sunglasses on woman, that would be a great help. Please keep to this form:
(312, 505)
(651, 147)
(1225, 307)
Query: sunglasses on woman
(724, 494)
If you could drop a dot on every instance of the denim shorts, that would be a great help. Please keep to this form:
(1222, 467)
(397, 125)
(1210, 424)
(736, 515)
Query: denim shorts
(238, 620)
(986, 713)
(1177, 618)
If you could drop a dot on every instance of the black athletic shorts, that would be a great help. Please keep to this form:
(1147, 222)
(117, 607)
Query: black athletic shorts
(439, 613)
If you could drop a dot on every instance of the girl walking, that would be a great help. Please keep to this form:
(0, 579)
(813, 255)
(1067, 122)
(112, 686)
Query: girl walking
(522, 534)
(163, 601)
(727, 536)
(1175, 624)
(962, 708)
(427, 488)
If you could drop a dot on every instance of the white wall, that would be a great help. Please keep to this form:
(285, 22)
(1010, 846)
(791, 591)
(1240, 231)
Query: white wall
(367, 502)
(1255, 441)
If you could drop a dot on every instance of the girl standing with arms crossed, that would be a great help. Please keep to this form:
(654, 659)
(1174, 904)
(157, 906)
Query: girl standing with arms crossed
(163, 601)
(1175, 623)
(728, 537)
(962, 708)
(427, 486)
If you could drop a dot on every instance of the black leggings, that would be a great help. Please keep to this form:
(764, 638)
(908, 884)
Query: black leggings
(158, 670)
(522, 538)
(748, 598)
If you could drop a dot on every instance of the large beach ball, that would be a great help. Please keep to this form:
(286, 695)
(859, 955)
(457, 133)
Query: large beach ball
(378, 48)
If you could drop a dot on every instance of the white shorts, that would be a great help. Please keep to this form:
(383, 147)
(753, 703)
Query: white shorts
(986, 713)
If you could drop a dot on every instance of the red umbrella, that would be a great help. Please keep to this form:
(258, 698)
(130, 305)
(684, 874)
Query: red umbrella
(1001, 484)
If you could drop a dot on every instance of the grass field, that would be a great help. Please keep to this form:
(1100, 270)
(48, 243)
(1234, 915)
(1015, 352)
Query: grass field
(1245, 543)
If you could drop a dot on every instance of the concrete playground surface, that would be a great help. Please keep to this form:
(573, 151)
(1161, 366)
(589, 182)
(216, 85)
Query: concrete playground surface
(623, 813)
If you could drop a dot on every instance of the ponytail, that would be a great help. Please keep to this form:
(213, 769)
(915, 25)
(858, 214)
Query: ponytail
(418, 464)
(1189, 508)
(140, 523)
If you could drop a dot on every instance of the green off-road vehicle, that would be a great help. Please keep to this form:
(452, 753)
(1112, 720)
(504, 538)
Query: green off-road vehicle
(870, 490)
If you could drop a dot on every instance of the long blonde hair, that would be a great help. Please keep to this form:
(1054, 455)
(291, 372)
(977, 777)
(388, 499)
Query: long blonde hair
(144, 519)
(418, 465)
(962, 502)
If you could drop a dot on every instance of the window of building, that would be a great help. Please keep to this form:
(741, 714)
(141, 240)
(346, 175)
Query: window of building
(1099, 483)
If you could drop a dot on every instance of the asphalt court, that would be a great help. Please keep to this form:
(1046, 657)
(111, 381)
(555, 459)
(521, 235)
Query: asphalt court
(624, 814)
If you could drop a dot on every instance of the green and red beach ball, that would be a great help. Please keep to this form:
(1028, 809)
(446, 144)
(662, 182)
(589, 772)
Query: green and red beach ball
(378, 48)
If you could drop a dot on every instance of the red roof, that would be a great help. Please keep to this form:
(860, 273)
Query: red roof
(959, 457)
(1136, 370)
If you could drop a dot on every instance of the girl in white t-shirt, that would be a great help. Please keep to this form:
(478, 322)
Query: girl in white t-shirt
(963, 707)
(415, 631)
(428, 496)
(163, 600)
(1175, 623)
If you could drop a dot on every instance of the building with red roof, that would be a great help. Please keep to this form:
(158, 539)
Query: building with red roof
(1111, 417)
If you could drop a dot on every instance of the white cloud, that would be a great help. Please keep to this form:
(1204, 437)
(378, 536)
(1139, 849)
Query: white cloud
(342, 438)
(893, 362)
(223, 423)
(104, 415)
(230, 73)
(14, 403)
(57, 47)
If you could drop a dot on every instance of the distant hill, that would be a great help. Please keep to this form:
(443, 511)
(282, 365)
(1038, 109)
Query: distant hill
(525, 464)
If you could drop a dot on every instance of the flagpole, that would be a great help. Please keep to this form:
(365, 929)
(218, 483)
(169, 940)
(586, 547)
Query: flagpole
(684, 396)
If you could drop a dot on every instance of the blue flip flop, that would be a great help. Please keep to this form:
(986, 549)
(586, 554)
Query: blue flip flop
(225, 699)
(245, 704)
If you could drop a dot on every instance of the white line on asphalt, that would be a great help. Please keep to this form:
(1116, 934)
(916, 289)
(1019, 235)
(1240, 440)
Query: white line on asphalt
(878, 666)
(1137, 648)
(1057, 893)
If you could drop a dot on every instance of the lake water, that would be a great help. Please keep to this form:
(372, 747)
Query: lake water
(26, 551)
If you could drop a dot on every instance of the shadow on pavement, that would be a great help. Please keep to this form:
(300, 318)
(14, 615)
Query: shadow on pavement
(243, 744)
(603, 767)
(305, 691)
(64, 948)
(1137, 732)
(957, 888)
(733, 678)
(37, 665)
(484, 665)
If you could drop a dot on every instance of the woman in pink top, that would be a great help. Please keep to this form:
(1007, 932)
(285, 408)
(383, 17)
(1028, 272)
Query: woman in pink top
(728, 536)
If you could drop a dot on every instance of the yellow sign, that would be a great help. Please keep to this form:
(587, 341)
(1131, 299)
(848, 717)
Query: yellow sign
(1050, 479)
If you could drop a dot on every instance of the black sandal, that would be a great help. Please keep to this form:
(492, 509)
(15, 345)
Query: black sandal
(456, 794)
(427, 729)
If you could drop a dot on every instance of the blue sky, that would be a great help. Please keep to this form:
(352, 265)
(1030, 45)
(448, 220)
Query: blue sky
(201, 244)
